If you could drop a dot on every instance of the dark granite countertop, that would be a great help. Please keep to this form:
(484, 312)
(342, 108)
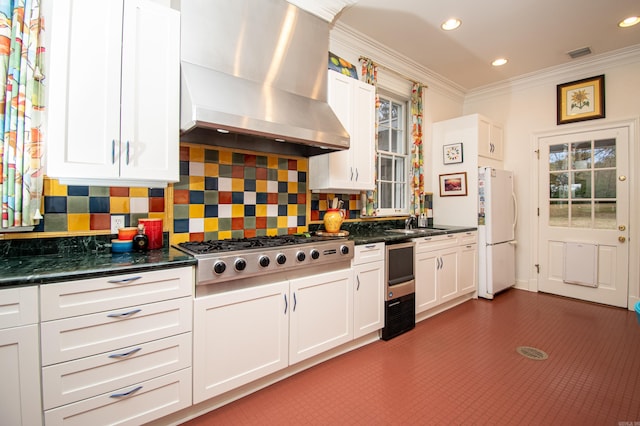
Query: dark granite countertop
(376, 231)
(78, 258)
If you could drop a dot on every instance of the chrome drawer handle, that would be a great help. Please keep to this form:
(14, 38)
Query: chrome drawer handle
(124, 314)
(124, 280)
(126, 354)
(123, 394)
(370, 246)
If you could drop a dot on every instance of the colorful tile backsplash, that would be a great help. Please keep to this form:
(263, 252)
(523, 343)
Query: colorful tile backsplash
(224, 194)
(77, 209)
(321, 202)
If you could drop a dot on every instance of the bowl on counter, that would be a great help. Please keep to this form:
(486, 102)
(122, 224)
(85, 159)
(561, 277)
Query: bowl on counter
(127, 233)
(121, 246)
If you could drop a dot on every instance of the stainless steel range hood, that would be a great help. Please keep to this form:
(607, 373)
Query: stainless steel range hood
(258, 70)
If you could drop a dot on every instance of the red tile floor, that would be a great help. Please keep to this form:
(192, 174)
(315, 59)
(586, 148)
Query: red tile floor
(461, 367)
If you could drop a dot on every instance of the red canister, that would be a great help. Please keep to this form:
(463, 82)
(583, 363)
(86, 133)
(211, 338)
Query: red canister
(153, 230)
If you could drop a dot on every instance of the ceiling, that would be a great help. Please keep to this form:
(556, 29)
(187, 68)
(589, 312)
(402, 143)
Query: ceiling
(531, 34)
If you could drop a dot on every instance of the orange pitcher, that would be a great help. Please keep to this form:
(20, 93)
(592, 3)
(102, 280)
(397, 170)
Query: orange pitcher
(333, 218)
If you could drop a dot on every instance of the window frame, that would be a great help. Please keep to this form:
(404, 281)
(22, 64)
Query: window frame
(394, 210)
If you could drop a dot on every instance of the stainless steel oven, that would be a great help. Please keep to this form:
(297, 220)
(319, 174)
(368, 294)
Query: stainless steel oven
(400, 288)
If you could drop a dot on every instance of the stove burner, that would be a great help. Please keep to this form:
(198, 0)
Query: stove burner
(234, 244)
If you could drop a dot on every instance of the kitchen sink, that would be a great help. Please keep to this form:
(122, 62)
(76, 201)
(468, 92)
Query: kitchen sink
(406, 231)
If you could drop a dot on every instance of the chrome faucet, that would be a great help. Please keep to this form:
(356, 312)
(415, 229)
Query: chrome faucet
(411, 222)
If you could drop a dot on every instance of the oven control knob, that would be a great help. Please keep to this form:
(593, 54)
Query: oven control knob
(344, 249)
(219, 267)
(281, 259)
(301, 256)
(240, 264)
(264, 261)
(315, 254)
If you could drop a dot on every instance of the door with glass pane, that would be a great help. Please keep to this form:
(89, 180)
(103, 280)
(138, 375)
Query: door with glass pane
(584, 215)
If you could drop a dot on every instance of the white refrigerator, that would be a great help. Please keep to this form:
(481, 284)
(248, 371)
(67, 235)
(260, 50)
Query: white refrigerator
(497, 216)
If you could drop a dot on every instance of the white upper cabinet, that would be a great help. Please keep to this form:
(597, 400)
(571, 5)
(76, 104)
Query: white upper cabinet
(113, 112)
(490, 139)
(351, 170)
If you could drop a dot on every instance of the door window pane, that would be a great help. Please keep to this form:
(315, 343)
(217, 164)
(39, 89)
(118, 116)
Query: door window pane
(604, 153)
(605, 183)
(581, 155)
(559, 213)
(558, 155)
(558, 185)
(581, 185)
(605, 215)
(581, 214)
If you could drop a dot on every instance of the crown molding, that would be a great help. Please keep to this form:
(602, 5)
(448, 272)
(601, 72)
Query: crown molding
(390, 59)
(552, 75)
(327, 10)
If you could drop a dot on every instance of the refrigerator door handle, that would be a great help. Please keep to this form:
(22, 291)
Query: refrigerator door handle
(515, 212)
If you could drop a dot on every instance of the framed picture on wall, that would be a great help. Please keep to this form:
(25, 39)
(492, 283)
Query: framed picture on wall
(581, 100)
(452, 153)
(453, 184)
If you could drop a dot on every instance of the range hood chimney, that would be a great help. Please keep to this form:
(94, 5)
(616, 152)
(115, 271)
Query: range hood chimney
(254, 76)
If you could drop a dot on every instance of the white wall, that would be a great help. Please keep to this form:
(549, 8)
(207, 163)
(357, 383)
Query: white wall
(526, 107)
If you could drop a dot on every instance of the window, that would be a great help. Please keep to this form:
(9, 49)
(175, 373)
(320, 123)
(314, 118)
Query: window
(392, 157)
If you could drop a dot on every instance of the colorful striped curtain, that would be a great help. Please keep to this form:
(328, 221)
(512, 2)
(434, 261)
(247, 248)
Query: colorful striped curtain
(21, 106)
(417, 160)
(370, 76)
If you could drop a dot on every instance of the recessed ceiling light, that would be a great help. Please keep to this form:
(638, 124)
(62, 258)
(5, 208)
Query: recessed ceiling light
(629, 22)
(451, 24)
(499, 62)
(225, 131)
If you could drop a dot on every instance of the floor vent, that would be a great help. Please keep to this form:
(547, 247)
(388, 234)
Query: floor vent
(532, 353)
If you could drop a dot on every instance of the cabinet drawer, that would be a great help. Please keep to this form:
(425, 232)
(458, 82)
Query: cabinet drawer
(72, 381)
(71, 338)
(368, 253)
(133, 405)
(18, 306)
(82, 297)
(437, 242)
(470, 237)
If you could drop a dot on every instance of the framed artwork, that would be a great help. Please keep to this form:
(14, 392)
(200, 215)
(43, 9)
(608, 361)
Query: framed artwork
(452, 153)
(581, 100)
(453, 184)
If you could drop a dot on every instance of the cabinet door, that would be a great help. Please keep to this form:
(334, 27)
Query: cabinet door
(340, 99)
(468, 269)
(239, 336)
(321, 315)
(489, 140)
(426, 270)
(368, 304)
(150, 92)
(20, 402)
(84, 89)
(448, 274)
(362, 137)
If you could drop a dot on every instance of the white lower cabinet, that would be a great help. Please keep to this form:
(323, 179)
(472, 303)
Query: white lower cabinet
(321, 316)
(20, 402)
(445, 268)
(239, 336)
(368, 289)
(245, 334)
(117, 350)
(132, 405)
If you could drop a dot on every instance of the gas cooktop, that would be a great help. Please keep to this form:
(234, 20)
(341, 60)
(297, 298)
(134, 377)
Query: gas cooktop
(233, 259)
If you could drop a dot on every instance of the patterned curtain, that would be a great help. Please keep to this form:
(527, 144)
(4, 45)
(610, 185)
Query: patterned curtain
(370, 76)
(21, 106)
(417, 161)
